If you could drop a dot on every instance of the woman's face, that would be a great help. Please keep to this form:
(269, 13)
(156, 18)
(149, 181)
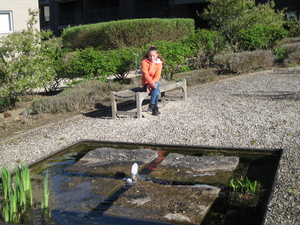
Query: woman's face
(153, 56)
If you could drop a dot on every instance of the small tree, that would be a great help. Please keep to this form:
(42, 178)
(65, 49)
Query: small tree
(227, 16)
(205, 44)
(244, 24)
(51, 50)
(29, 60)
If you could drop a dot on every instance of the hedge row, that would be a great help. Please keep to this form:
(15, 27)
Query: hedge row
(84, 96)
(245, 62)
(127, 33)
(290, 51)
(178, 56)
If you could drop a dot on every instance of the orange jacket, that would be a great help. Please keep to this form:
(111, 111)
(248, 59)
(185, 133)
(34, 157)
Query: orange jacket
(151, 72)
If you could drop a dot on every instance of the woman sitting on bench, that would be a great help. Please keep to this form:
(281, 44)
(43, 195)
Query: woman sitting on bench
(151, 72)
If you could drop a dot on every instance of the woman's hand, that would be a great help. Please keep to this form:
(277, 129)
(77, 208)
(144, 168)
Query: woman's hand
(153, 86)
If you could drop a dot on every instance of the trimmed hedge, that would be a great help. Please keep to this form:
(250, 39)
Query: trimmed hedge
(291, 52)
(84, 96)
(245, 62)
(291, 47)
(293, 59)
(127, 33)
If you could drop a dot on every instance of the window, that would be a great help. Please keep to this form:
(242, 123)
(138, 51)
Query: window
(6, 25)
(291, 15)
(47, 13)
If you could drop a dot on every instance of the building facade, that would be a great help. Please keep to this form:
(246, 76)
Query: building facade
(59, 14)
(291, 7)
(14, 15)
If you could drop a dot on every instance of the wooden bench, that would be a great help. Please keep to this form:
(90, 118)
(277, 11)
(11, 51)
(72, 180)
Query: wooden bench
(138, 95)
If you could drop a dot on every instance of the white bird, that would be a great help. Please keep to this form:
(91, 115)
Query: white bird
(134, 171)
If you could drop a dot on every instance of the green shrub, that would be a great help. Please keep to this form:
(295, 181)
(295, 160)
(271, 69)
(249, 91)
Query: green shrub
(261, 36)
(83, 96)
(209, 41)
(29, 59)
(4, 103)
(127, 33)
(123, 61)
(245, 62)
(236, 19)
(280, 53)
(205, 44)
(88, 63)
(175, 56)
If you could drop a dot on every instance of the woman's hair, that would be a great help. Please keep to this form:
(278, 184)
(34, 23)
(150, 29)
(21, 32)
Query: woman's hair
(154, 48)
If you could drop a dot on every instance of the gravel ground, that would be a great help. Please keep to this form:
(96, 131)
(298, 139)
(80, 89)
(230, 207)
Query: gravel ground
(259, 110)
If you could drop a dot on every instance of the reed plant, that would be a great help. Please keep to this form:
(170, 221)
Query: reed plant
(6, 179)
(13, 203)
(20, 190)
(45, 197)
(245, 192)
(17, 194)
(27, 183)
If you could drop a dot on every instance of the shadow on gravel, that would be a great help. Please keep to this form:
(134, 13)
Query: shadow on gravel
(274, 95)
(104, 112)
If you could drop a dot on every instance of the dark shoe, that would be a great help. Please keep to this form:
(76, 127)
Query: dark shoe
(150, 109)
(155, 111)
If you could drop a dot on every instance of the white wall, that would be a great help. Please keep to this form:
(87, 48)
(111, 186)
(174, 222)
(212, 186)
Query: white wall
(20, 16)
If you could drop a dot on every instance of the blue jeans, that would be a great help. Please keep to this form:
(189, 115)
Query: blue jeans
(154, 94)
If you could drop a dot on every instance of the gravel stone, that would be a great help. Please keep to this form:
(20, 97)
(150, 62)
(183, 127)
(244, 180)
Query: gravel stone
(259, 110)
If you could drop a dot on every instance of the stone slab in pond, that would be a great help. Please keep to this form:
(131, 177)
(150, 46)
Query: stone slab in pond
(110, 161)
(147, 200)
(81, 194)
(206, 169)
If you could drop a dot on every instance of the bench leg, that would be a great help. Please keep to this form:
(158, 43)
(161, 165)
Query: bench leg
(184, 90)
(162, 97)
(113, 105)
(139, 101)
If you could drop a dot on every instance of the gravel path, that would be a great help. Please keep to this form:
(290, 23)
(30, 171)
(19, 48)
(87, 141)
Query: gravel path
(260, 110)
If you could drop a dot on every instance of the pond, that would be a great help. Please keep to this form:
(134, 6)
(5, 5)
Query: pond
(68, 206)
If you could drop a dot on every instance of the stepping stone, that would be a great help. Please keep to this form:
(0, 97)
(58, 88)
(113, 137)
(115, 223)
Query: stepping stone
(215, 169)
(147, 200)
(110, 161)
(81, 194)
